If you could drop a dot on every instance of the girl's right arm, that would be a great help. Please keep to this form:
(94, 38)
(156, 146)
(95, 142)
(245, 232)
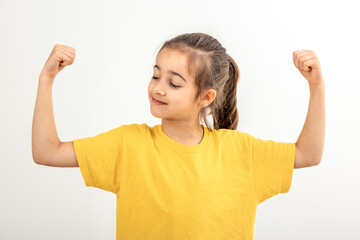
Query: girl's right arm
(47, 149)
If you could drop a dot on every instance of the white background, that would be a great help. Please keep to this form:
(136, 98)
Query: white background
(116, 43)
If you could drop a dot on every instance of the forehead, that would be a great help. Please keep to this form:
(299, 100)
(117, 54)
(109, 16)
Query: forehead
(170, 59)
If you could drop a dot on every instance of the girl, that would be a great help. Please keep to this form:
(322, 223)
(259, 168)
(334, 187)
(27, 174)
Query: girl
(183, 179)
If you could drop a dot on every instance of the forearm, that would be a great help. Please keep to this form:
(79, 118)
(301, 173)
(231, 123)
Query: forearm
(312, 137)
(44, 135)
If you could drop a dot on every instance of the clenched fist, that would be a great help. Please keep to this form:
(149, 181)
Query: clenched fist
(309, 66)
(60, 57)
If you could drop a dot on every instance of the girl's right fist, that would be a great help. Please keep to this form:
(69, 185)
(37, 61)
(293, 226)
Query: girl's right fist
(60, 57)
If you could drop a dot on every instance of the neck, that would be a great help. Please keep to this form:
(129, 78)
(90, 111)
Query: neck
(183, 132)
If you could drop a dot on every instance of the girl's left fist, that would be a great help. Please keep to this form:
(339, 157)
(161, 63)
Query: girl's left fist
(309, 66)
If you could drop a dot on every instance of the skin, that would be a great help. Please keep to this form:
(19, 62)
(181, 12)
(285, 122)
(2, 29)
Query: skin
(180, 115)
(180, 119)
(310, 144)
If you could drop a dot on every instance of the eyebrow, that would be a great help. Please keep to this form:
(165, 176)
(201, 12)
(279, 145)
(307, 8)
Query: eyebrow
(172, 72)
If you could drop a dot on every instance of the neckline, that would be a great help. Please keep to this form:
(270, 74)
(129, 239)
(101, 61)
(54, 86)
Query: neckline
(183, 147)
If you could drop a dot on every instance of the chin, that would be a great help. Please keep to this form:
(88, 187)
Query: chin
(156, 114)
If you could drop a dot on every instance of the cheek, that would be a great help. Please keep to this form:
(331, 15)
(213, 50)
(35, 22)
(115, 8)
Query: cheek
(149, 89)
(184, 99)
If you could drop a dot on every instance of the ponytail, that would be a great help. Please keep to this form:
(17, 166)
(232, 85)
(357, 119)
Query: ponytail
(226, 115)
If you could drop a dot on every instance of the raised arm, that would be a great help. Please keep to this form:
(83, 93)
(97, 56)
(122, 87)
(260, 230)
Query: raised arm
(47, 149)
(310, 144)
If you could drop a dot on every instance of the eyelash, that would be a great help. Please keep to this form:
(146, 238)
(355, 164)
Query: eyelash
(171, 84)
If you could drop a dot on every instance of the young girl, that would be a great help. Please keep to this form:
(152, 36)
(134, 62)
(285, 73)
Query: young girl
(183, 179)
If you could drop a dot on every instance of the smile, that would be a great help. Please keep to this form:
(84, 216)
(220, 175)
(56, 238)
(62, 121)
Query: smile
(157, 102)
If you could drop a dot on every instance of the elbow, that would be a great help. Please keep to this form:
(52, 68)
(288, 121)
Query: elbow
(36, 161)
(34, 153)
(315, 158)
(35, 157)
(316, 161)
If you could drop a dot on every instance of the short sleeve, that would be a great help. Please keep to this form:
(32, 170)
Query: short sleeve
(99, 159)
(272, 167)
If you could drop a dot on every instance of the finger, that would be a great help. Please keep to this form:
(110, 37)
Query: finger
(299, 56)
(65, 60)
(295, 59)
(303, 59)
(296, 55)
(62, 58)
(72, 57)
(311, 64)
(71, 49)
(299, 53)
(68, 54)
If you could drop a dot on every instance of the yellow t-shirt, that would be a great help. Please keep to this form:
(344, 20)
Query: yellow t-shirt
(168, 190)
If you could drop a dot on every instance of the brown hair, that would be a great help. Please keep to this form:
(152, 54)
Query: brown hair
(212, 68)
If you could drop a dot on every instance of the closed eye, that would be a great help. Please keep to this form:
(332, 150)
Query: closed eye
(174, 86)
(171, 84)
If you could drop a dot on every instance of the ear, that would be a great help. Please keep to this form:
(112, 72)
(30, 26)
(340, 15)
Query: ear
(209, 97)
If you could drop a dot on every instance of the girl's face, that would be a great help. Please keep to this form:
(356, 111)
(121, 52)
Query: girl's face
(174, 86)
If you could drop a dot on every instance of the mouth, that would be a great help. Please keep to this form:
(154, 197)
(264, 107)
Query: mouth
(158, 102)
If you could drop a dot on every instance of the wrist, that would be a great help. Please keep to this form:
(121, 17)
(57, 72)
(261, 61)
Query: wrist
(46, 80)
(318, 86)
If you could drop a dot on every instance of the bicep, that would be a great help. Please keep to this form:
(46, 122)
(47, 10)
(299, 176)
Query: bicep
(62, 156)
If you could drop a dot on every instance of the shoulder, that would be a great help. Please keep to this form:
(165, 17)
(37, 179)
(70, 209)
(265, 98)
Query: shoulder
(135, 127)
(229, 136)
(134, 130)
(128, 135)
(228, 133)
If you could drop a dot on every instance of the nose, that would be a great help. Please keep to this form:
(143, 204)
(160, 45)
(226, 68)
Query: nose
(160, 92)
(158, 88)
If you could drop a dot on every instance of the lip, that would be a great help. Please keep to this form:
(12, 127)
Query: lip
(158, 102)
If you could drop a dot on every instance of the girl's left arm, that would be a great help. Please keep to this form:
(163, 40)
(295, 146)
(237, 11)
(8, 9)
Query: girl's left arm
(310, 144)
